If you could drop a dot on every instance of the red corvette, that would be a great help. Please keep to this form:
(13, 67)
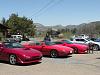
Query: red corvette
(50, 49)
(16, 53)
(78, 48)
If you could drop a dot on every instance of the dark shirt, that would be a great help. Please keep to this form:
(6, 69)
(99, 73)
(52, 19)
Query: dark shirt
(47, 38)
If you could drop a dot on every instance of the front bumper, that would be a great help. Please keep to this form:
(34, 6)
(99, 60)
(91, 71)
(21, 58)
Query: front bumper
(83, 51)
(65, 53)
(30, 60)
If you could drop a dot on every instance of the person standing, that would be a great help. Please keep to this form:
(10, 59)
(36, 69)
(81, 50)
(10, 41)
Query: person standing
(90, 48)
(47, 37)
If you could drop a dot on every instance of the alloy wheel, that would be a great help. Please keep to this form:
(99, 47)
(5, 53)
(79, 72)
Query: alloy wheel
(12, 59)
(54, 54)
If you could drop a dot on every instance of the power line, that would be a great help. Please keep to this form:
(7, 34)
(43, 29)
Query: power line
(47, 8)
(44, 7)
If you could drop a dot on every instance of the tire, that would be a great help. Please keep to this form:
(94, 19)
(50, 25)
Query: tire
(75, 50)
(12, 59)
(95, 47)
(54, 54)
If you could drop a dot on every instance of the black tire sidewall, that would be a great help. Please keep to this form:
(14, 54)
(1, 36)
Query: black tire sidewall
(51, 54)
(97, 47)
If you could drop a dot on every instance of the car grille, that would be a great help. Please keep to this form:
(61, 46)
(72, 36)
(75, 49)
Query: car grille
(34, 58)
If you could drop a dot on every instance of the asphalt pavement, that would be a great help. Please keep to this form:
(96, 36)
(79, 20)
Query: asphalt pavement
(76, 64)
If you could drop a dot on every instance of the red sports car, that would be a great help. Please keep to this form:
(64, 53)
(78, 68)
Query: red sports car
(16, 53)
(78, 48)
(50, 49)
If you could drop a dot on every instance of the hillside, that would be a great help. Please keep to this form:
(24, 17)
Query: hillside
(87, 28)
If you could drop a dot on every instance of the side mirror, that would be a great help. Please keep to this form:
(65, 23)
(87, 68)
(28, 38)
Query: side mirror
(64, 44)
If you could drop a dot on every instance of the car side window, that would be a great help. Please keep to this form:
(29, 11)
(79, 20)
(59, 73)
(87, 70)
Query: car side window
(47, 43)
(58, 42)
(35, 43)
(80, 40)
(77, 39)
(38, 43)
(7, 45)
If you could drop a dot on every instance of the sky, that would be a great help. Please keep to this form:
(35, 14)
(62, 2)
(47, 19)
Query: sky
(53, 12)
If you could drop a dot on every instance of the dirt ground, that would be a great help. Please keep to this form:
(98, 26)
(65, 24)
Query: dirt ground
(76, 64)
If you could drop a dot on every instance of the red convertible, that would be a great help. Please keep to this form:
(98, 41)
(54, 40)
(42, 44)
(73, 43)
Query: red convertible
(78, 48)
(50, 49)
(16, 53)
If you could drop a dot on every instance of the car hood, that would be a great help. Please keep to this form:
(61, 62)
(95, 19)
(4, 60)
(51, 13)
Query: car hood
(60, 47)
(27, 51)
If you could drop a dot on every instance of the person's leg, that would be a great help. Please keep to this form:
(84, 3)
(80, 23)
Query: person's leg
(92, 51)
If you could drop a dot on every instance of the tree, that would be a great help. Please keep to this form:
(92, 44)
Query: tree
(74, 31)
(20, 25)
(3, 21)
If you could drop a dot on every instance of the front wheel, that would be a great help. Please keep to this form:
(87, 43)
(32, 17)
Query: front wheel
(75, 50)
(12, 59)
(54, 54)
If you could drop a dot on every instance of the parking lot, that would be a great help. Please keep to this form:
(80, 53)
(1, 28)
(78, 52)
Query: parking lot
(76, 64)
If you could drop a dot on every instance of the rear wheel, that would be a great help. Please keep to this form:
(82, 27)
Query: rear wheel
(95, 47)
(54, 54)
(12, 59)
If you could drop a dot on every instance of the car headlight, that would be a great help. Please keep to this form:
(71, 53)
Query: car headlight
(71, 51)
(28, 57)
(64, 50)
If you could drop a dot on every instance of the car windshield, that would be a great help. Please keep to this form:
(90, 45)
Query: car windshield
(49, 43)
(32, 39)
(97, 40)
(57, 42)
(88, 39)
(67, 41)
(13, 45)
